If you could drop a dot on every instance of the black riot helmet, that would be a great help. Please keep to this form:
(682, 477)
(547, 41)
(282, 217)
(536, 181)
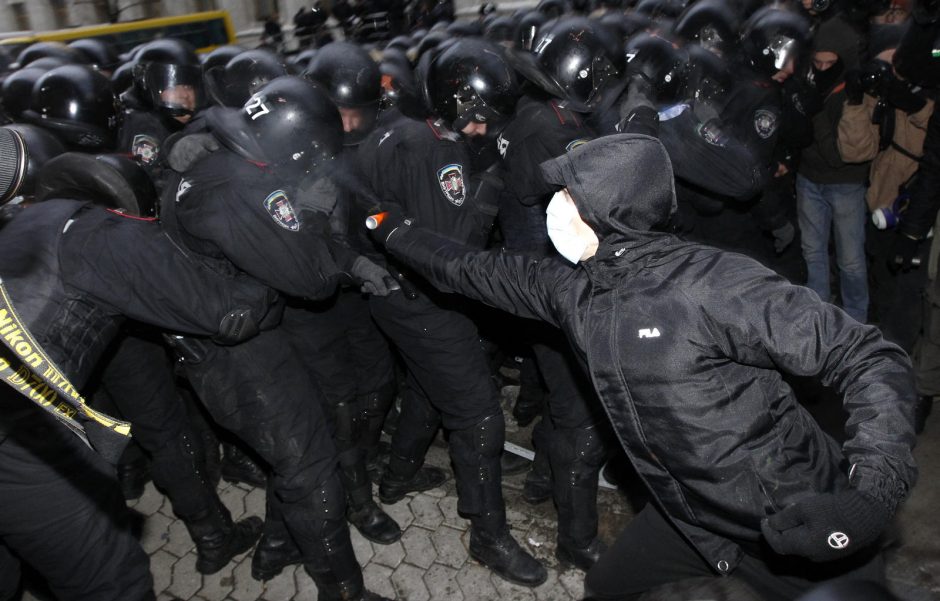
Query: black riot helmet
(553, 9)
(24, 149)
(625, 24)
(17, 90)
(709, 78)
(710, 23)
(354, 83)
(98, 53)
(401, 42)
(584, 60)
(660, 62)
(471, 81)
(115, 181)
(289, 124)
(501, 30)
(772, 38)
(400, 89)
(242, 76)
(75, 103)
(122, 78)
(168, 77)
(527, 28)
(655, 9)
(220, 56)
(56, 50)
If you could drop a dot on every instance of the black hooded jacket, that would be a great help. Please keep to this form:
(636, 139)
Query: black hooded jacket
(685, 345)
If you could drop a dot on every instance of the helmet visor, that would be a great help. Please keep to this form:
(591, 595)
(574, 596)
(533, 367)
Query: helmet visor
(177, 89)
(784, 49)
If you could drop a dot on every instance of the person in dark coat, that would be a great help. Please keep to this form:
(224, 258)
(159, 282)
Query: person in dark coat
(687, 347)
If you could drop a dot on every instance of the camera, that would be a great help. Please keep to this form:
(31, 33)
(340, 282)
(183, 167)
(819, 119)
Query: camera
(821, 5)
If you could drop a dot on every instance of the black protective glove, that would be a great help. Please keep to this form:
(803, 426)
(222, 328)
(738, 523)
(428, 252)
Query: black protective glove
(318, 195)
(828, 526)
(904, 253)
(639, 94)
(375, 280)
(189, 150)
(383, 223)
(854, 92)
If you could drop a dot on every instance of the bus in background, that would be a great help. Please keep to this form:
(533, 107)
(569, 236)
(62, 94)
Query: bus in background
(204, 30)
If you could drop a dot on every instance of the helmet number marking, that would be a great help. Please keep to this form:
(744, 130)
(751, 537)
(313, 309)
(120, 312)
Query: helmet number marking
(255, 107)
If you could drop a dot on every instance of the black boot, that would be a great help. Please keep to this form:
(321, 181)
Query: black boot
(404, 473)
(475, 452)
(334, 568)
(239, 467)
(921, 412)
(394, 487)
(371, 521)
(538, 486)
(274, 552)
(218, 539)
(576, 458)
(582, 558)
(492, 545)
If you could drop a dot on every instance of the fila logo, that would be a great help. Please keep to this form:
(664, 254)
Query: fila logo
(648, 333)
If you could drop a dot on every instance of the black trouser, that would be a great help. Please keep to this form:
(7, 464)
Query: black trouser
(448, 381)
(63, 514)
(261, 392)
(139, 381)
(650, 552)
(353, 366)
(572, 440)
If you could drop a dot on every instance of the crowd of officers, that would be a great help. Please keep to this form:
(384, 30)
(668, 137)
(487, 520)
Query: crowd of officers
(230, 291)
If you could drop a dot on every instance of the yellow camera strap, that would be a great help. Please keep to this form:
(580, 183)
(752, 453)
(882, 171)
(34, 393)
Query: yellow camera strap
(26, 368)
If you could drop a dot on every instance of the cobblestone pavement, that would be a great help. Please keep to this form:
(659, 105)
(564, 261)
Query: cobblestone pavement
(430, 562)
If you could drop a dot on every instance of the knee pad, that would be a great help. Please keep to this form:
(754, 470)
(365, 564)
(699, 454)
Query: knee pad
(348, 420)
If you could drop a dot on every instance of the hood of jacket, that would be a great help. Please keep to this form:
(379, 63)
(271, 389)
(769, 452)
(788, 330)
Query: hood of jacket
(623, 185)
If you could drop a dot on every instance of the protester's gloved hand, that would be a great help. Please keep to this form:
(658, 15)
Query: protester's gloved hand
(387, 220)
(190, 149)
(375, 280)
(827, 526)
(903, 255)
(854, 92)
(783, 237)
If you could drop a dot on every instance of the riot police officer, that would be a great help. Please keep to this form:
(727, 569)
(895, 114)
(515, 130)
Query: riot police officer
(283, 132)
(424, 167)
(167, 92)
(71, 274)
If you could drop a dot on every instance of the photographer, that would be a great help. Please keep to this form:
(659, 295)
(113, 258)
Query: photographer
(884, 120)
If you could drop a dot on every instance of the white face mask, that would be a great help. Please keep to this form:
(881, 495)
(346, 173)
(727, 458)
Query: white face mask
(572, 237)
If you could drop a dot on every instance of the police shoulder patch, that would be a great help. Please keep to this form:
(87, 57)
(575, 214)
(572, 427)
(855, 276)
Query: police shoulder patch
(145, 149)
(280, 209)
(450, 178)
(765, 122)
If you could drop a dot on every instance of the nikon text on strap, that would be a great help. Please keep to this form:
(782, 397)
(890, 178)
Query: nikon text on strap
(26, 368)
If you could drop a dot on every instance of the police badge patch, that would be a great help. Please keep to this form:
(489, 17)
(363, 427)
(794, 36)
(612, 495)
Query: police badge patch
(145, 149)
(280, 209)
(450, 177)
(765, 122)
